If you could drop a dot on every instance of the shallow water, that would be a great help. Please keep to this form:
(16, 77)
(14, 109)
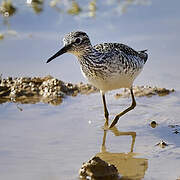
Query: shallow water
(51, 142)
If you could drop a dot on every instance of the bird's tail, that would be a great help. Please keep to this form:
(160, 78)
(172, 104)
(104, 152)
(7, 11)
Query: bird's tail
(143, 55)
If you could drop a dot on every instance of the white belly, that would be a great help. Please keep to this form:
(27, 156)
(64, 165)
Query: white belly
(116, 81)
(112, 83)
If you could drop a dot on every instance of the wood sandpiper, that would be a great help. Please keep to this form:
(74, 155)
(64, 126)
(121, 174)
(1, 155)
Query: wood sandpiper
(107, 66)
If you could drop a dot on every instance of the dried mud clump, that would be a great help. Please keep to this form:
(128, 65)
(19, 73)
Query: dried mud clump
(147, 91)
(36, 89)
(96, 169)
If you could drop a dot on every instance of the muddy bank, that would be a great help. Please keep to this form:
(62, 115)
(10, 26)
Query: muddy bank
(147, 91)
(51, 90)
(36, 89)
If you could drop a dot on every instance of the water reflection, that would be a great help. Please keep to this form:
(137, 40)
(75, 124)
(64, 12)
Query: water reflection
(72, 7)
(32, 100)
(92, 8)
(128, 166)
(37, 5)
(9, 8)
(75, 8)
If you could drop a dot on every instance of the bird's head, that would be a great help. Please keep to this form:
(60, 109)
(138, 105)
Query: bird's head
(75, 43)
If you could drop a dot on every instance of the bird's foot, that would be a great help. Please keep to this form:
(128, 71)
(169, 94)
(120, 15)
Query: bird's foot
(106, 126)
(114, 122)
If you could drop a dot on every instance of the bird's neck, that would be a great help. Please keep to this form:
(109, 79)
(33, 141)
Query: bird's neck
(85, 51)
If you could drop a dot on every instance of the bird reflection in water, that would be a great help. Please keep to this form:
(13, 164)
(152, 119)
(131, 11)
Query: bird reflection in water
(128, 166)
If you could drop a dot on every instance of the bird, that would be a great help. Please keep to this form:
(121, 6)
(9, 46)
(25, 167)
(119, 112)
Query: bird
(107, 66)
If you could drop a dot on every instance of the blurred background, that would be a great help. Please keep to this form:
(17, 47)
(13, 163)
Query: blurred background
(32, 30)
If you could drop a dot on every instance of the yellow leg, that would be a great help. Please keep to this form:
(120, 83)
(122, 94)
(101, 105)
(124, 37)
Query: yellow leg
(125, 111)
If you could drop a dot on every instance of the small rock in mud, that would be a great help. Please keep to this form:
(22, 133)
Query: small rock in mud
(147, 91)
(153, 124)
(162, 144)
(96, 169)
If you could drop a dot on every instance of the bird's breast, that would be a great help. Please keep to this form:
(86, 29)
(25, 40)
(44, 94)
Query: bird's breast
(111, 82)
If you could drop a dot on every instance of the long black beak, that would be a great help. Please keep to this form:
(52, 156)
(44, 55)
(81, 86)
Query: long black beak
(60, 52)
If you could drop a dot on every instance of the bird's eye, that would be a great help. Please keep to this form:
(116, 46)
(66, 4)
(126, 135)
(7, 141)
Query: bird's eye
(78, 41)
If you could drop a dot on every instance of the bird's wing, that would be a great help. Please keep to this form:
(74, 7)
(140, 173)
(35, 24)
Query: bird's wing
(110, 47)
(110, 50)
